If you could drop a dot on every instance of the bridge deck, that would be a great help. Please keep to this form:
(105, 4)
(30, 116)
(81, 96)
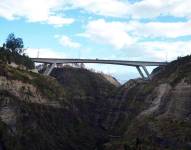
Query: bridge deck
(101, 61)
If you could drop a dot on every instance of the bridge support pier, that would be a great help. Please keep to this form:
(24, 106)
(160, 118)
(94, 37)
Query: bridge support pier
(140, 65)
(49, 69)
(140, 72)
(146, 71)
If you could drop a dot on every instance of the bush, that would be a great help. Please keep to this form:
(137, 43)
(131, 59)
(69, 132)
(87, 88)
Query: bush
(7, 56)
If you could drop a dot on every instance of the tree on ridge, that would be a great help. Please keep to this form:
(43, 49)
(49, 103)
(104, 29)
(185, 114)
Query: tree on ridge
(14, 44)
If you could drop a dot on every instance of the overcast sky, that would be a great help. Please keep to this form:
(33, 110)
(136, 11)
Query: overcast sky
(153, 30)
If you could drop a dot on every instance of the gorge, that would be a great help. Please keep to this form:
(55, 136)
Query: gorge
(76, 109)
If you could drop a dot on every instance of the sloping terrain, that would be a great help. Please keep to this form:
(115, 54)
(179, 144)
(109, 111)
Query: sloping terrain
(38, 113)
(155, 115)
(77, 109)
(89, 92)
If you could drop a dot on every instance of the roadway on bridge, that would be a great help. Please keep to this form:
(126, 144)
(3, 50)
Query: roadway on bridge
(138, 64)
(101, 61)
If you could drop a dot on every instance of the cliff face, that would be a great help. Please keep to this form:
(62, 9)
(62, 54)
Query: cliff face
(36, 112)
(76, 109)
(156, 114)
(88, 92)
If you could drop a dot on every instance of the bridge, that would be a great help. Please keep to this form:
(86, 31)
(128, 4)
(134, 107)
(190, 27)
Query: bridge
(138, 64)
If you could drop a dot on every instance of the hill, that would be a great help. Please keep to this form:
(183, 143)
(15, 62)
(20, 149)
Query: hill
(76, 109)
(38, 113)
(156, 114)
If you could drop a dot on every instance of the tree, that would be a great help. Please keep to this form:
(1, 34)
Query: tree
(13, 51)
(14, 44)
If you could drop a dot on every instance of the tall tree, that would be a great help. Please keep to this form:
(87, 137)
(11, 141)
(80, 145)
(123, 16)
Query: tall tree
(14, 44)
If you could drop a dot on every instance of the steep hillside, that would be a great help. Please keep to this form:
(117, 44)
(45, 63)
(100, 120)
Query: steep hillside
(111, 79)
(154, 115)
(76, 109)
(38, 113)
(89, 92)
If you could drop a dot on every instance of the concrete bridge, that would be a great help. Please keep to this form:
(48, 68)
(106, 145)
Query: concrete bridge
(138, 64)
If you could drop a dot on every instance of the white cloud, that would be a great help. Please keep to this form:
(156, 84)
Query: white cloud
(44, 53)
(34, 11)
(148, 8)
(42, 10)
(155, 8)
(113, 33)
(180, 8)
(114, 8)
(158, 50)
(122, 35)
(67, 41)
(160, 29)
(138, 10)
(166, 50)
(59, 21)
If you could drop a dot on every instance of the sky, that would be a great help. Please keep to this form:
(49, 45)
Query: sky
(144, 30)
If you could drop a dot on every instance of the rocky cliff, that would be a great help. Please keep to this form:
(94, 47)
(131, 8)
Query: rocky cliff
(154, 115)
(76, 109)
(36, 112)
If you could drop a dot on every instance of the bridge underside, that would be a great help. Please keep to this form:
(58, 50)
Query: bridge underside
(143, 72)
(140, 65)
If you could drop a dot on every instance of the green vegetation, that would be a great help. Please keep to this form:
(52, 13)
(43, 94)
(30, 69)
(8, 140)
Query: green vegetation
(71, 124)
(12, 52)
(175, 71)
(15, 45)
(48, 86)
(144, 125)
(77, 109)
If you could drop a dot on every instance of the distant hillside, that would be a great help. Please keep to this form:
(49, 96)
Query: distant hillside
(111, 79)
